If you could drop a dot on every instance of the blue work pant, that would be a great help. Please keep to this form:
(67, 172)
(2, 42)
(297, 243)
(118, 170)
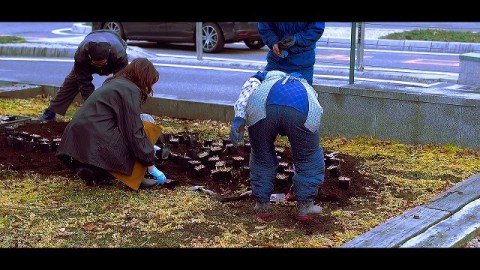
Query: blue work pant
(307, 153)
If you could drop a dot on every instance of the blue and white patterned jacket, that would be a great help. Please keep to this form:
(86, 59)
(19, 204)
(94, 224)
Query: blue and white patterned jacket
(251, 103)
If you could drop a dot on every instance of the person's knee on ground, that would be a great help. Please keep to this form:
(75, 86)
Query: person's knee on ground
(91, 175)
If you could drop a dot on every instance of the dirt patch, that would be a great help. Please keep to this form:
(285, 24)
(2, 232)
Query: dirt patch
(224, 172)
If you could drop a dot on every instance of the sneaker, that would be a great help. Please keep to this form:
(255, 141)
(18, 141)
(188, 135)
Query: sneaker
(148, 183)
(47, 116)
(305, 209)
(262, 209)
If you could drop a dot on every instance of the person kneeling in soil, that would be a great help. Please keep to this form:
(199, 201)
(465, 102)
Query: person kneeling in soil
(272, 104)
(106, 137)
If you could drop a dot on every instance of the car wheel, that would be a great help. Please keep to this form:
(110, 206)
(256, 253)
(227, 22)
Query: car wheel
(254, 44)
(212, 38)
(116, 27)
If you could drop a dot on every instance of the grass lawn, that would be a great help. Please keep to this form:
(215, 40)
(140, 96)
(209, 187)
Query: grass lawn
(436, 35)
(38, 211)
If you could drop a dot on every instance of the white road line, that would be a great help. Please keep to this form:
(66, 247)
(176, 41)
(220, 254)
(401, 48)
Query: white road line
(61, 31)
(42, 59)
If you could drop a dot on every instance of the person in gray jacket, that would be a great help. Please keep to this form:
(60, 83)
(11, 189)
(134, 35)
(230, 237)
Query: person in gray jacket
(102, 52)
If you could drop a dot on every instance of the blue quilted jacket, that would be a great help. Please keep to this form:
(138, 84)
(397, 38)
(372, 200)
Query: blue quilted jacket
(302, 54)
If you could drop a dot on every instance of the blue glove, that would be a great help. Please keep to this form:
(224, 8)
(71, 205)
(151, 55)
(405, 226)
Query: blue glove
(159, 176)
(237, 130)
(260, 75)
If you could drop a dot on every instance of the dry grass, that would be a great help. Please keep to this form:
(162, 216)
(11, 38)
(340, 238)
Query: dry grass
(59, 212)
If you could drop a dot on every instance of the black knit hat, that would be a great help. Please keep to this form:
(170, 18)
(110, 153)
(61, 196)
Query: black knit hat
(98, 51)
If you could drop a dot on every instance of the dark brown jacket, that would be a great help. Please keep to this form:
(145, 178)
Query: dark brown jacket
(106, 131)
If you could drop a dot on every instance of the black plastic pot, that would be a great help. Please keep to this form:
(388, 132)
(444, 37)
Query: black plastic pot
(282, 166)
(31, 145)
(174, 141)
(222, 174)
(9, 130)
(280, 151)
(211, 161)
(10, 140)
(247, 147)
(216, 151)
(19, 143)
(231, 149)
(237, 161)
(208, 142)
(194, 163)
(35, 137)
(226, 141)
(245, 171)
(344, 182)
(45, 147)
(334, 171)
(201, 171)
(203, 156)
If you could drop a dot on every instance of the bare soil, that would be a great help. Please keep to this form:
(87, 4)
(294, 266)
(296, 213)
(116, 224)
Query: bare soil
(176, 166)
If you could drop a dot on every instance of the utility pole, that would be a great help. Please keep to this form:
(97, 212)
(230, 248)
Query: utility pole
(361, 45)
(353, 41)
(199, 41)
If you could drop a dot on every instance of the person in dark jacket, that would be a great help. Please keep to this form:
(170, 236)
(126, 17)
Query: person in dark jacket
(292, 46)
(106, 134)
(102, 52)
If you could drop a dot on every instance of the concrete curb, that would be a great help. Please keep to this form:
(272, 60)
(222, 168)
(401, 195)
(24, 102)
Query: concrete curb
(38, 49)
(449, 220)
(406, 45)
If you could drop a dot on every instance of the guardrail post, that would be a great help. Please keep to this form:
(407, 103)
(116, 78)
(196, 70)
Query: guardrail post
(199, 43)
(361, 45)
(352, 54)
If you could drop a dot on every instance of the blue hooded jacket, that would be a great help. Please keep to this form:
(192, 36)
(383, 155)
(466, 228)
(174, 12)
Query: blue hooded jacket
(302, 54)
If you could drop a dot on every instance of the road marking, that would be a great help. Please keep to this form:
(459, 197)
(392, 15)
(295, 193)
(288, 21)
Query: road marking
(436, 62)
(62, 30)
(43, 59)
(342, 57)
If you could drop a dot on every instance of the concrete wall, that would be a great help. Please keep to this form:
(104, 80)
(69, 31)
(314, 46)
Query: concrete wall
(406, 114)
(469, 69)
